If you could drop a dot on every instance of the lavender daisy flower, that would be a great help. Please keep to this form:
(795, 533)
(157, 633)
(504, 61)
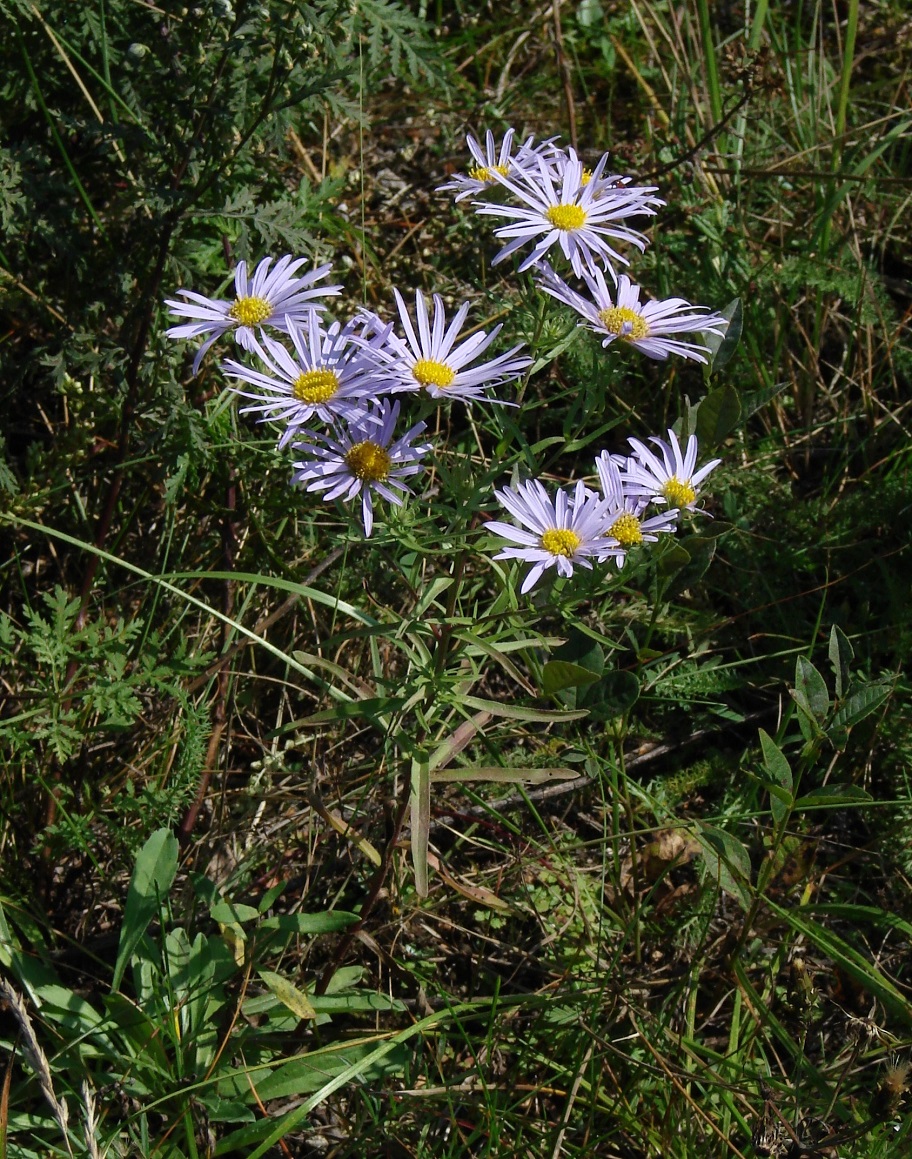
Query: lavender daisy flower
(330, 378)
(564, 532)
(624, 514)
(670, 479)
(364, 459)
(645, 326)
(269, 298)
(431, 361)
(560, 208)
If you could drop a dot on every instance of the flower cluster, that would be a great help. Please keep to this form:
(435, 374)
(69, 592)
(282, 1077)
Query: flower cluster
(547, 198)
(328, 384)
(580, 526)
(339, 375)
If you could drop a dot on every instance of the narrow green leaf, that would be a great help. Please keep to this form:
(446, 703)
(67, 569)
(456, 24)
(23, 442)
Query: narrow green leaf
(322, 923)
(153, 875)
(289, 995)
(833, 795)
(421, 823)
(507, 776)
(229, 911)
(514, 712)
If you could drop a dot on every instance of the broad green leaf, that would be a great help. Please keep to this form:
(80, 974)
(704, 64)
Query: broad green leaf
(722, 346)
(229, 911)
(779, 772)
(860, 702)
(841, 655)
(811, 690)
(833, 795)
(560, 674)
(615, 694)
(579, 648)
(153, 875)
(321, 923)
(289, 995)
(718, 415)
(727, 860)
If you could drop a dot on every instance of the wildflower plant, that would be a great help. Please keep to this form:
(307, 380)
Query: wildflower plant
(352, 401)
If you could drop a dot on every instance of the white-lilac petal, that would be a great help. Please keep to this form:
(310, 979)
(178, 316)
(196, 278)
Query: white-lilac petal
(561, 208)
(330, 376)
(624, 511)
(646, 326)
(432, 359)
(364, 458)
(669, 477)
(272, 296)
(563, 532)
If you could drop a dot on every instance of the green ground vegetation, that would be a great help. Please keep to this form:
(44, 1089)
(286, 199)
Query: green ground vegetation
(662, 902)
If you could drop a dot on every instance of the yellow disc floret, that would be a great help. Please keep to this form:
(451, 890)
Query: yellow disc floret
(480, 173)
(678, 493)
(560, 541)
(315, 386)
(368, 461)
(566, 217)
(626, 530)
(250, 311)
(427, 372)
(624, 322)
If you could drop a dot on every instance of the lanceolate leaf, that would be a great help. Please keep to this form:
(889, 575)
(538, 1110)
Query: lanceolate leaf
(153, 875)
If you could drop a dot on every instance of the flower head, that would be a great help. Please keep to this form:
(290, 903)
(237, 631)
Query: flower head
(562, 205)
(330, 377)
(564, 532)
(624, 514)
(489, 162)
(644, 326)
(269, 298)
(431, 361)
(364, 459)
(670, 479)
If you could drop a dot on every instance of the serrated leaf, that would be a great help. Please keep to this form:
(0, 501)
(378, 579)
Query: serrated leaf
(290, 996)
(718, 415)
(560, 674)
(841, 654)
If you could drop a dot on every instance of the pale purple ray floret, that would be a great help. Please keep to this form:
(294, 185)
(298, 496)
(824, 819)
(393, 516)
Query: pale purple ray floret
(272, 297)
(564, 532)
(331, 375)
(364, 458)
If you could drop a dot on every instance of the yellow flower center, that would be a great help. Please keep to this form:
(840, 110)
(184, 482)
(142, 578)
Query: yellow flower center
(626, 530)
(624, 322)
(677, 493)
(427, 372)
(480, 173)
(315, 386)
(566, 217)
(250, 311)
(585, 177)
(368, 461)
(560, 541)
